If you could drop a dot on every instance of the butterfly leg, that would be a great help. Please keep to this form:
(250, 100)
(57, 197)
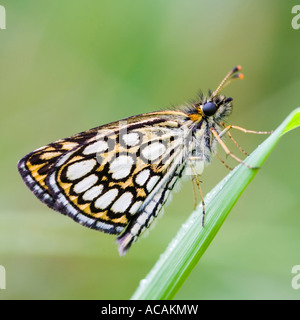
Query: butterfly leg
(227, 151)
(195, 193)
(223, 162)
(227, 128)
(196, 179)
(238, 146)
(243, 129)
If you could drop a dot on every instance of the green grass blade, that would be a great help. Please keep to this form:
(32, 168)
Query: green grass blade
(185, 250)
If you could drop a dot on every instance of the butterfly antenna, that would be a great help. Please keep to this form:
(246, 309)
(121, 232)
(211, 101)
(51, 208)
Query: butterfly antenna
(232, 74)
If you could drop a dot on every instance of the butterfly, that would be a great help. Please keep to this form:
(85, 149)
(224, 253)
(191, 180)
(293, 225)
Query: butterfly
(116, 178)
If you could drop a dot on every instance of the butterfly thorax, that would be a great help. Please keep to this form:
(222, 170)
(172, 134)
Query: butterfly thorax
(201, 143)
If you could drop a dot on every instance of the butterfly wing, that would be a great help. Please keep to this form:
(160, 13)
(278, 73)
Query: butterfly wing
(37, 165)
(112, 177)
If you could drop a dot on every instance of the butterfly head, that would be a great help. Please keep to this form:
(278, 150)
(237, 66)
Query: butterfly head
(217, 105)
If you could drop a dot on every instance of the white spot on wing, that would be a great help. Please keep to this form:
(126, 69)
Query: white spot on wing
(80, 169)
(96, 147)
(122, 204)
(153, 151)
(135, 207)
(131, 139)
(106, 199)
(86, 183)
(64, 158)
(152, 182)
(121, 167)
(92, 193)
(142, 177)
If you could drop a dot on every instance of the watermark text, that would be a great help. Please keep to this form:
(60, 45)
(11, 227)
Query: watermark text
(296, 278)
(2, 278)
(2, 18)
(296, 19)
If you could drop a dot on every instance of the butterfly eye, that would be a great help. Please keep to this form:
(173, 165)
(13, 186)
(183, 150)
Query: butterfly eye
(209, 108)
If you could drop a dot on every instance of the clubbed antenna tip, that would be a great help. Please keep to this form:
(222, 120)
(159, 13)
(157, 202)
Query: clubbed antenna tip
(232, 74)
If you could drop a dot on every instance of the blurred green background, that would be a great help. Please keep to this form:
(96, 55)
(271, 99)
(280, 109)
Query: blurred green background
(69, 66)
